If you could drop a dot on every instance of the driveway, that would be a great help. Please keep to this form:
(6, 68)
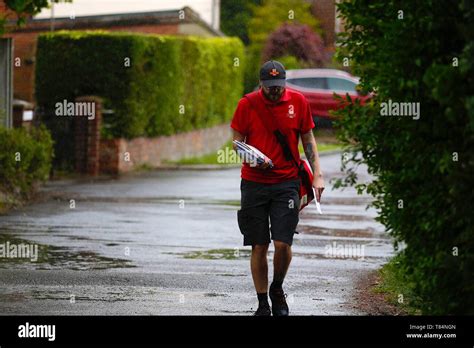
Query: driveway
(166, 242)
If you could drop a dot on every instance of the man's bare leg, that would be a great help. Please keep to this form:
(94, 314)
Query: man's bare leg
(281, 262)
(259, 267)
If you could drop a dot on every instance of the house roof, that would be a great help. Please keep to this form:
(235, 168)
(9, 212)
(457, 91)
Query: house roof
(120, 19)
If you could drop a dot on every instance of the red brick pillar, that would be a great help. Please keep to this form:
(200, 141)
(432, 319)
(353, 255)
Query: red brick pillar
(325, 12)
(87, 135)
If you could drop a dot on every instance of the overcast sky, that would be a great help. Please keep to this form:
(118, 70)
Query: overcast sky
(95, 7)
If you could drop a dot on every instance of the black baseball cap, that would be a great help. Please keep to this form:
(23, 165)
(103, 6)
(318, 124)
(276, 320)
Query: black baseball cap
(272, 73)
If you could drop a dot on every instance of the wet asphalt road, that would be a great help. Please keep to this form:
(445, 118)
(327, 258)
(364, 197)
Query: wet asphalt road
(167, 242)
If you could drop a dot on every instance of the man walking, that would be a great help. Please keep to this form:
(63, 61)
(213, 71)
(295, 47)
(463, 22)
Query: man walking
(272, 193)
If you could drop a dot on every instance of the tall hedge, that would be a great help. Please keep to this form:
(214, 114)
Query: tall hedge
(167, 75)
(419, 52)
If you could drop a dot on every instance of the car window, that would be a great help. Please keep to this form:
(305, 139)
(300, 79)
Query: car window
(309, 82)
(336, 84)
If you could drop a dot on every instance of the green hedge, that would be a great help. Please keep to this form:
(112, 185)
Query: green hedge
(423, 168)
(165, 72)
(25, 158)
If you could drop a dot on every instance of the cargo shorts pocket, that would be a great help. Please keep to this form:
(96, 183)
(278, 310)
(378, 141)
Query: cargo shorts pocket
(252, 222)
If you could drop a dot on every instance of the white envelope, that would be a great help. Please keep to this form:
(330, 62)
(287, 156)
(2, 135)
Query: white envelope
(250, 154)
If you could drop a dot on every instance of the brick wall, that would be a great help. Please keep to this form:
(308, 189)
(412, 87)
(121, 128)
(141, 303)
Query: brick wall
(24, 48)
(123, 155)
(325, 12)
(24, 52)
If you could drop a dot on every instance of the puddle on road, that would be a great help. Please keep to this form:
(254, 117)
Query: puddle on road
(66, 296)
(120, 294)
(231, 254)
(309, 215)
(151, 200)
(229, 203)
(357, 200)
(217, 254)
(50, 257)
(236, 312)
(212, 294)
(231, 275)
(333, 232)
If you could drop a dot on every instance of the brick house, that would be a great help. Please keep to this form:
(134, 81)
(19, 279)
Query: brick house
(170, 22)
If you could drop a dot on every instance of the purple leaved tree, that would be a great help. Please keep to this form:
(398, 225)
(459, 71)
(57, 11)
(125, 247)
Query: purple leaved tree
(296, 40)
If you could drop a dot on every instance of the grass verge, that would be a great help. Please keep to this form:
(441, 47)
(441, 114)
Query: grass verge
(397, 290)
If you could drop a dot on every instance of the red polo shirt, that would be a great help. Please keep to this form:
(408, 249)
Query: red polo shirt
(294, 117)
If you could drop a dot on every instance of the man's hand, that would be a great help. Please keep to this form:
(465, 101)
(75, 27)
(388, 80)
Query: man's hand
(237, 136)
(263, 166)
(318, 184)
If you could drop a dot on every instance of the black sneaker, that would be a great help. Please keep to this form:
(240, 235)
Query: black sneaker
(279, 306)
(263, 311)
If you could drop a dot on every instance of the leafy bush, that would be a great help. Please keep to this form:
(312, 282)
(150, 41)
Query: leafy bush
(296, 40)
(273, 13)
(25, 158)
(164, 73)
(261, 25)
(235, 17)
(290, 62)
(423, 168)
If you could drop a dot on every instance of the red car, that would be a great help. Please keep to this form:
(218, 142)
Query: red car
(318, 86)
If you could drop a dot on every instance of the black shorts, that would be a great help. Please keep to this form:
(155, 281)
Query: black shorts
(264, 203)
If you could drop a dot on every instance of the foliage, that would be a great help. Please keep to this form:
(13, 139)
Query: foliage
(235, 17)
(296, 40)
(273, 13)
(396, 288)
(25, 158)
(290, 62)
(156, 85)
(23, 9)
(164, 73)
(422, 168)
(267, 18)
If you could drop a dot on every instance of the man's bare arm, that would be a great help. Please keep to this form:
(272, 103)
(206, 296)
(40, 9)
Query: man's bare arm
(237, 136)
(311, 152)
